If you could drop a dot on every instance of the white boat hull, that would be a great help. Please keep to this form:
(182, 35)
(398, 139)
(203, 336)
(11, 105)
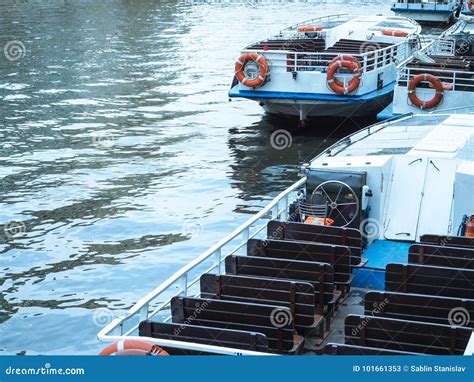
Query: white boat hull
(427, 17)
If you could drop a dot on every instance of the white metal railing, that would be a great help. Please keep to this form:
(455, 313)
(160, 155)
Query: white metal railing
(427, 4)
(186, 280)
(290, 61)
(453, 80)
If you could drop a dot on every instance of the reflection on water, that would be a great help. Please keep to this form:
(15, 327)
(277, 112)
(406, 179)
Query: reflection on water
(122, 158)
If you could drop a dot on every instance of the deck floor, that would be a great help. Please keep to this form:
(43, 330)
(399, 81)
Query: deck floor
(353, 304)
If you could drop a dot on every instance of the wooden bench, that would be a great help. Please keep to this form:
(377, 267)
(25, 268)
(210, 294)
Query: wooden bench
(339, 257)
(237, 339)
(340, 349)
(408, 336)
(290, 231)
(423, 308)
(452, 241)
(436, 281)
(441, 256)
(299, 297)
(271, 320)
(320, 275)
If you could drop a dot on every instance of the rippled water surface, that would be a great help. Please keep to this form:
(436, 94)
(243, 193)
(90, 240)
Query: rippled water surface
(121, 157)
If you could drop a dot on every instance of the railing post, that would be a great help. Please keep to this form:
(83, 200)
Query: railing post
(118, 330)
(217, 260)
(275, 212)
(284, 214)
(245, 239)
(183, 283)
(144, 313)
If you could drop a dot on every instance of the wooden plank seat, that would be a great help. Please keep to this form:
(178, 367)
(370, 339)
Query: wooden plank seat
(424, 308)
(237, 339)
(441, 256)
(343, 349)
(452, 241)
(299, 297)
(408, 336)
(291, 231)
(436, 281)
(339, 257)
(271, 320)
(320, 275)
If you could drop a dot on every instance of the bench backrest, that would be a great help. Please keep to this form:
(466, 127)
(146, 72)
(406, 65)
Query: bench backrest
(441, 256)
(320, 275)
(436, 281)
(339, 349)
(237, 339)
(423, 308)
(452, 241)
(338, 257)
(297, 296)
(237, 316)
(349, 237)
(403, 335)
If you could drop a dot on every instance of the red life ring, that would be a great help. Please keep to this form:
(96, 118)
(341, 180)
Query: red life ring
(309, 28)
(394, 33)
(133, 347)
(263, 69)
(434, 81)
(346, 57)
(336, 85)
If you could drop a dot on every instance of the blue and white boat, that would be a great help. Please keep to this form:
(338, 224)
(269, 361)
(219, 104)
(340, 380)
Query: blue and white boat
(380, 221)
(467, 12)
(331, 66)
(439, 78)
(440, 11)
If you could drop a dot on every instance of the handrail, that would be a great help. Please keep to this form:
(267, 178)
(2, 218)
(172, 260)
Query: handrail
(381, 57)
(141, 308)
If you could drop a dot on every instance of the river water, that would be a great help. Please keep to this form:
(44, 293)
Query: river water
(121, 157)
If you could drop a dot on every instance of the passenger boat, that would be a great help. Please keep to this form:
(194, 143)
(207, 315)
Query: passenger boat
(440, 11)
(331, 66)
(439, 78)
(467, 12)
(381, 217)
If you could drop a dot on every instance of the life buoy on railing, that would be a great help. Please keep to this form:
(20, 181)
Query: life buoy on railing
(470, 5)
(434, 81)
(346, 57)
(133, 347)
(394, 33)
(263, 69)
(309, 28)
(338, 86)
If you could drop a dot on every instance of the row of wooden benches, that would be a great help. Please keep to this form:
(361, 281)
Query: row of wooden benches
(428, 305)
(288, 287)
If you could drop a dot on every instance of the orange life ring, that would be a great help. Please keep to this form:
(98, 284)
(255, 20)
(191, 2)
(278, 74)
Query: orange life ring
(336, 85)
(470, 5)
(434, 81)
(309, 28)
(346, 57)
(394, 33)
(133, 347)
(263, 69)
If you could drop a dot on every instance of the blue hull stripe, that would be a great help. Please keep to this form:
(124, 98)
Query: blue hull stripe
(421, 10)
(371, 96)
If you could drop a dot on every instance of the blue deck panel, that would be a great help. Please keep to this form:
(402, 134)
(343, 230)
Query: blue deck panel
(252, 94)
(379, 254)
